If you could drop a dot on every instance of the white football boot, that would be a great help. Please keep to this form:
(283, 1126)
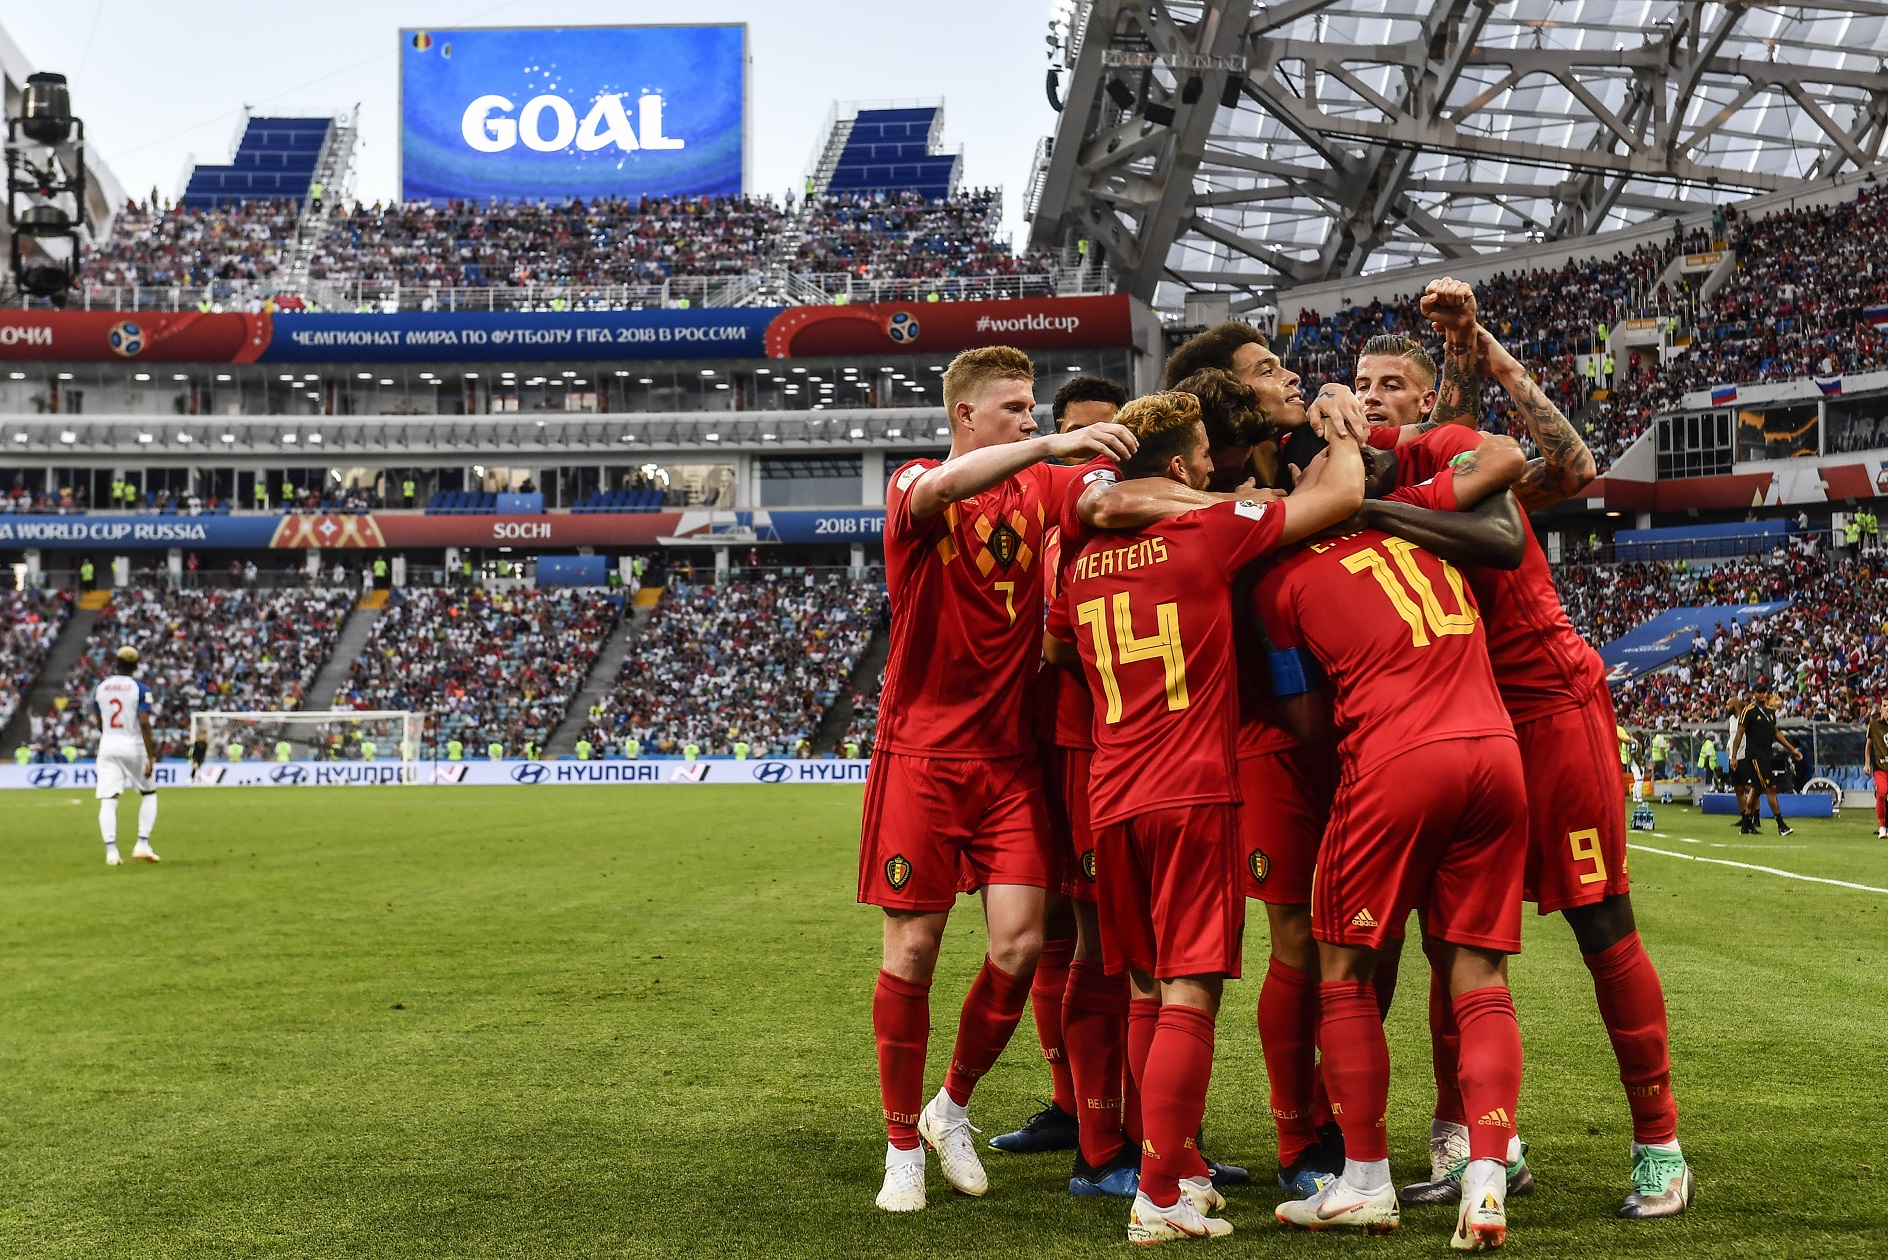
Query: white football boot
(956, 1148)
(1148, 1224)
(1338, 1206)
(143, 852)
(903, 1190)
(1482, 1222)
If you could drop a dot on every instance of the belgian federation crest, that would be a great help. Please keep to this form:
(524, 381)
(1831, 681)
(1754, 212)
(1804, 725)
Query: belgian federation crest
(1004, 543)
(897, 872)
(1088, 865)
(1259, 865)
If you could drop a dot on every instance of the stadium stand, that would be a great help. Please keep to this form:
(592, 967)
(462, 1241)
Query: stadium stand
(29, 622)
(754, 661)
(203, 649)
(489, 665)
(893, 150)
(907, 236)
(194, 244)
(276, 158)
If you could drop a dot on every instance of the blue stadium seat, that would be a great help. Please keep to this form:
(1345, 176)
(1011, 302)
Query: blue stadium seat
(275, 158)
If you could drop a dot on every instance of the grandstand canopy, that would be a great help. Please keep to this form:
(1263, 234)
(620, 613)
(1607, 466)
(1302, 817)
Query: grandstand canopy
(1234, 146)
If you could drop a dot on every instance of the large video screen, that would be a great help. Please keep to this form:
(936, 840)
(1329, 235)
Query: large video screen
(549, 113)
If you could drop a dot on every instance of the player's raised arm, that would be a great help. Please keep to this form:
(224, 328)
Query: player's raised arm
(1330, 491)
(1449, 305)
(1565, 465)
(1485, 528)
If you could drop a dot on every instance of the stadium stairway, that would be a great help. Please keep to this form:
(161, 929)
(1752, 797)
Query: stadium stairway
(871, 662)
(66, 650)
(350, 643)
(563, 740)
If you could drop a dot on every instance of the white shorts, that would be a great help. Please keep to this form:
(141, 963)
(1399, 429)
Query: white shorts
(117, 768)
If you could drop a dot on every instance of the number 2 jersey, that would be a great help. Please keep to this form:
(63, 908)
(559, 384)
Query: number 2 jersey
(1151, 614)
(119, 699)
(1396, 633)
(966, 590)
(1542, 665)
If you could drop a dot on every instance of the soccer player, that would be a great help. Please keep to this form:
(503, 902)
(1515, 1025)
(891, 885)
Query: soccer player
(955, 799)
(1750, 751)
(1875, 763)
(1554, 687)
(1430, 811)
(126, 754)
(1151, 612)
(1396, 380)
(1070, 991)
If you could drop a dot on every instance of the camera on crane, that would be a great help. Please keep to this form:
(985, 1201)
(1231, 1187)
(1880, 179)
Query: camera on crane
(45, 188)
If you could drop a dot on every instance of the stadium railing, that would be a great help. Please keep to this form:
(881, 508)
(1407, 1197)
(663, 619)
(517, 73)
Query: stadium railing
(1831, 750)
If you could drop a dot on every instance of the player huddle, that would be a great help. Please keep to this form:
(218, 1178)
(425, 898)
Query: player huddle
(1297, 653)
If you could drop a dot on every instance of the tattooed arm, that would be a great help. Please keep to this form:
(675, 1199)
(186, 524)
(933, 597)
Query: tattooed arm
(1449, 305)
(1565, 465)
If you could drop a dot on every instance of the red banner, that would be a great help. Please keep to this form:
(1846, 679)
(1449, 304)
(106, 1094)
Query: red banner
(1072, 323)
(152, 336)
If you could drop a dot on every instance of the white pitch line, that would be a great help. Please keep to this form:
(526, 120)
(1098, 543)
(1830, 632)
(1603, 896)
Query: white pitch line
(1767, 870)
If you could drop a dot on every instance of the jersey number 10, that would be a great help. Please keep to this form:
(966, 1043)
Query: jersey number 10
(1416, 603)
(1164, 646)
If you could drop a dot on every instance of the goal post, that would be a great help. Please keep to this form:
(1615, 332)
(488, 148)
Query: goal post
(388, 735)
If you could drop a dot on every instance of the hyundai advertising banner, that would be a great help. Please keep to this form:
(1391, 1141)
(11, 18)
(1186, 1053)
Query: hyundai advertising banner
(83, 775)
(1095, 322)
(551, 113)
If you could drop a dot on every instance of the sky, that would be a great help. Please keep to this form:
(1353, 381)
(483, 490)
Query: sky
(159, 83)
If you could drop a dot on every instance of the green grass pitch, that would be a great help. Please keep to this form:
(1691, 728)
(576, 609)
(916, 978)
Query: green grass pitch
(636, 1022)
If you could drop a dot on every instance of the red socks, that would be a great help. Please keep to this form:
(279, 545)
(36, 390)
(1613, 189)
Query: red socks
(1173, 1101)
(1445, 1049)
(991, 1011)
(1490, 1075)
(1288, 1025)
(1046, 993)
(1633, 1006)
(1356, 1065)
(901, 1021)
(1095, 1018)
(1143, 1016)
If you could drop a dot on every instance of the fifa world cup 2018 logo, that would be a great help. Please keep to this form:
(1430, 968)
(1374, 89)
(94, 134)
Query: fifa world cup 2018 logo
(902, 328)
(126, 339)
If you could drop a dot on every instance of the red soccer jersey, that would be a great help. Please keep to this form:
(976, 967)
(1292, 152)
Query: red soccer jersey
(966, 627)
(1065, 715)
(1399, 640)
(1152, 615)
(1542, 664)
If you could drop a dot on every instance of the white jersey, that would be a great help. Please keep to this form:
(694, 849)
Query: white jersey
(119, 699)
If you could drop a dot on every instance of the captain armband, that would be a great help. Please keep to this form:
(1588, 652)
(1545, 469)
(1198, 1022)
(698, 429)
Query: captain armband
(1294, 672)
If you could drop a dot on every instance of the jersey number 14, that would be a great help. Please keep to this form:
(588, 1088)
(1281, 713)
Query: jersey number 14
(1163, 645)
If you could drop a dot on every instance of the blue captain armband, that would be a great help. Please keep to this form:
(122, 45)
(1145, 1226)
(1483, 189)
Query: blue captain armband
(1294, 672)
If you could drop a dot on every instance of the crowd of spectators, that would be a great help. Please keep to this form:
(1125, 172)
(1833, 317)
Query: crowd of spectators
(1826, 654)
(903, 236)
(606, 241)
(154, 245)
(235, 650)
(491, 666)
(754, 662)
(29, 622)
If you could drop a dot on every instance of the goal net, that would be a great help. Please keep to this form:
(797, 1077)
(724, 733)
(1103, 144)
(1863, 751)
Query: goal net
(388, 735)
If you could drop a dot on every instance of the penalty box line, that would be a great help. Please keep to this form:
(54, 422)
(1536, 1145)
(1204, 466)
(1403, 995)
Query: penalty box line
(1767, 870)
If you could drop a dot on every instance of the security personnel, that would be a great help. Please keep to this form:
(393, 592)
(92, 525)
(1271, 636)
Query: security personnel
(740, 750)
(530, 750)
(70, 753)
(504, 568)
(632, 749)
(852, 750)
(22, 755)
(583, 750)
(262, 495)
(406, 750)
(369, 750)
(455, 750)
(85, 573)
(410, 490)
(803, 749)
(1659, 748)
(465, 568)
(288, 491)
(1707, 766)
(1852, 530)
(690, 751)
(380, 571)
(234, 751)
(1606, 370)
(494, 751)
(1871, 531)
(282, 749)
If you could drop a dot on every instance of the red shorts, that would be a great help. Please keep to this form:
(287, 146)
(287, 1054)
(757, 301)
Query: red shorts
(1071, 835)
(1576, 816)
(1169, 892)
(934, 826)
(1443, 826)
(1287, 804)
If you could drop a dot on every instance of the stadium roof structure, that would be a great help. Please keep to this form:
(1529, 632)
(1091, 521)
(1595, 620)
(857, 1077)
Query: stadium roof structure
(1239, 147)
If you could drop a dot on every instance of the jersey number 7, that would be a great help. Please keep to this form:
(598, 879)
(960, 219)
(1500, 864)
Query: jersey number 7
(1164, 646)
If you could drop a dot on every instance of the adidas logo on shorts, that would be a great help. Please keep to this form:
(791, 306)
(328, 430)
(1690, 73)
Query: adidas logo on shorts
(1363, 918)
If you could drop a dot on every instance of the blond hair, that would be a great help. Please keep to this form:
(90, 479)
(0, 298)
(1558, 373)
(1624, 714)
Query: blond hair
(1164, 423)
(971, 370)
